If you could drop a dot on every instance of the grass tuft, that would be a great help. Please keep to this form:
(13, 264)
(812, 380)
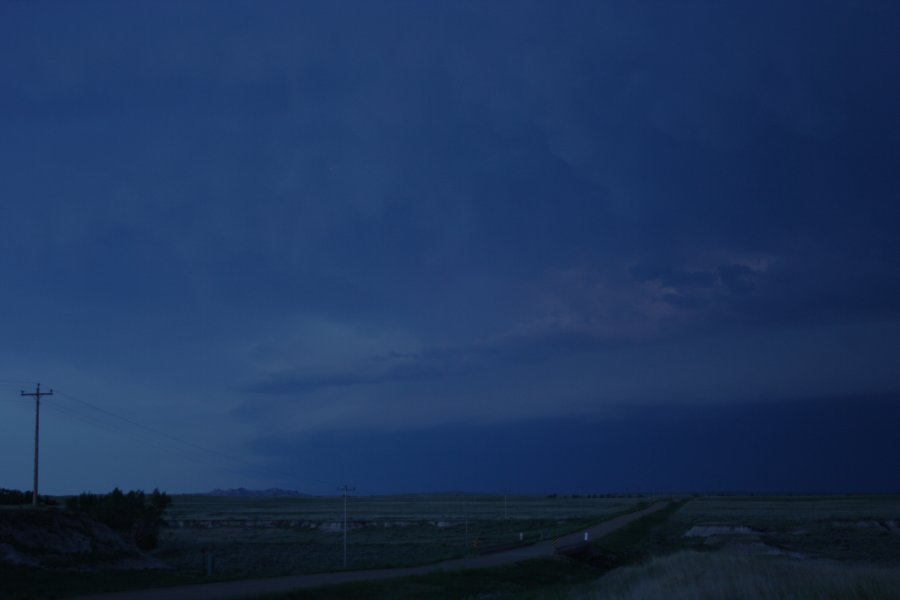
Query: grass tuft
(690, 575)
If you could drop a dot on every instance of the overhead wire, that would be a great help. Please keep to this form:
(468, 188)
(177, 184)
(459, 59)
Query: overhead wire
(152, 435)
(207, 453)
(156, 443)
(55, 406)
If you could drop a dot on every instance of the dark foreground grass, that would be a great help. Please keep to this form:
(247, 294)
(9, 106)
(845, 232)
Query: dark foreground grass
(17, 583)
(689, 574)
(652, 535)
(514, 581)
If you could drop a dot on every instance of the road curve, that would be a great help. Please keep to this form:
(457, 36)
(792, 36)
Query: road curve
(256, 587)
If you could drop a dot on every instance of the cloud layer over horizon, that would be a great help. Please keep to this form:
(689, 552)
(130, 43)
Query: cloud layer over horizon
(240, 224)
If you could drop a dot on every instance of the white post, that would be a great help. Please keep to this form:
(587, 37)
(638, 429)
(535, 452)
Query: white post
(346, 489)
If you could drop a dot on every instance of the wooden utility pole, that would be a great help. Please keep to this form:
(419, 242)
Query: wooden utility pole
(346, 489)
(37, 431)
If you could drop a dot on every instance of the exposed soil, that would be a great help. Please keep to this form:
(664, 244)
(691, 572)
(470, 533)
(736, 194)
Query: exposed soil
(57, 539)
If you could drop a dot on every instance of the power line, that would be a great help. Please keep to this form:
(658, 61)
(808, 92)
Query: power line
(149, 428)
(154, 435)
(108, 427)
(208, 452)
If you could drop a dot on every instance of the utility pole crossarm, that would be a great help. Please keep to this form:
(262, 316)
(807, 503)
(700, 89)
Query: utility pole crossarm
(38, 393)
(37, 431)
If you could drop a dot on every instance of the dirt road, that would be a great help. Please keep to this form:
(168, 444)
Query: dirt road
(257, 587)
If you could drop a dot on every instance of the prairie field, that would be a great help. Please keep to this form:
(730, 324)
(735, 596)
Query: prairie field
(274, 536)
(690, 575)
(859, 529)
(749, 547)
(706, 547)
(740, 547)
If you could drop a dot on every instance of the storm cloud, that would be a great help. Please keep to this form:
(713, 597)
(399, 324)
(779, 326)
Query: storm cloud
(304, 219)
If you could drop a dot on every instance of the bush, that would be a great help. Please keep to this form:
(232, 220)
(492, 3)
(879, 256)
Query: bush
(16, 498)
(134, 514)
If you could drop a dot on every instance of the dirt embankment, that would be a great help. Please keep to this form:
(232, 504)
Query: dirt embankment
(58, 539)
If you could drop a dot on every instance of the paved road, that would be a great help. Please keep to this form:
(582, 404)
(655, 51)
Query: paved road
(257, 587)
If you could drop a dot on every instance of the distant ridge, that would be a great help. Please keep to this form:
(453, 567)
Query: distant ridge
(245, 493)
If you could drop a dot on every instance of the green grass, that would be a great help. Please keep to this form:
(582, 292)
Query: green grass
(527, 580)
(452, 507)
(690, 575)
(36, 584)
(787, 512)
(264, 537)
(844, 560)
(825, 527)
(515, 581)
(274, 540)
(268, 537)
(653, 534)
(648, 559)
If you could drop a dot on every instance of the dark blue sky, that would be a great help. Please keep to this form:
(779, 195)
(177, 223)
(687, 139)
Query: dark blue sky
(603, 245)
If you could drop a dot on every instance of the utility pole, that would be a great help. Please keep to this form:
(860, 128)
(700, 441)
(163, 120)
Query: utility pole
(505, 492)
(346, 489)
(466, 515)
(37, 430)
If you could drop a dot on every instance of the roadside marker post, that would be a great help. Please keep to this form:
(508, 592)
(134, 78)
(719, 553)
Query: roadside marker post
(346, 489)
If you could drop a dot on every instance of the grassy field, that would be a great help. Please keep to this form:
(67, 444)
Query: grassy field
(17, 583)
(288, 536)
(405, 507)
(823, 547)
(763, 547)
(262, 537)
(556, 577)
(785, 512)
(690, 575)
(738, 547)
(861, 529)
(528, 580)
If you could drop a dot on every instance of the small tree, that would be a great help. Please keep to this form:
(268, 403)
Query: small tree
(133, 514)
(15, 498)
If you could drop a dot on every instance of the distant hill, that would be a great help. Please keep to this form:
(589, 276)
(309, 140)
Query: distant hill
(245, 493)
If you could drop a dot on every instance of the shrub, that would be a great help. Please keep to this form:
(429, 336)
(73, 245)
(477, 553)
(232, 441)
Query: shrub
(15, 498)
(135, 514)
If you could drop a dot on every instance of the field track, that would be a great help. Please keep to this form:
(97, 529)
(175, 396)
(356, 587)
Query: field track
(256, 587)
